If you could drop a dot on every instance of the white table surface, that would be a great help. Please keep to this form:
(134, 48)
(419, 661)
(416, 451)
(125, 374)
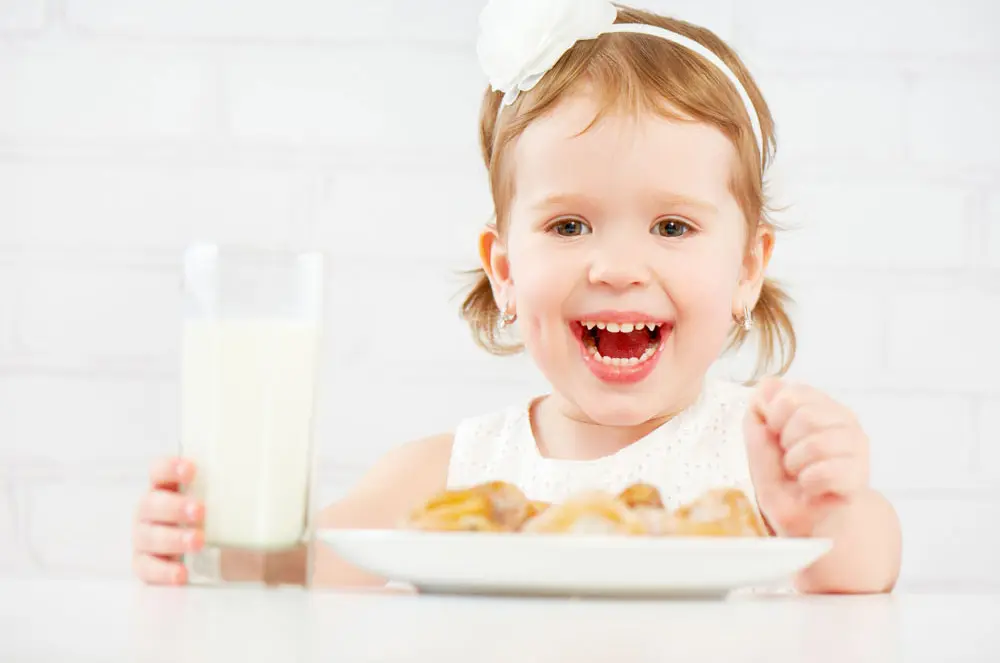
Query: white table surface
(83, 621)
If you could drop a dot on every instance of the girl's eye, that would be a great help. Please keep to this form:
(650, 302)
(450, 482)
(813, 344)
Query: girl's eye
(671, 228)
(571, 228)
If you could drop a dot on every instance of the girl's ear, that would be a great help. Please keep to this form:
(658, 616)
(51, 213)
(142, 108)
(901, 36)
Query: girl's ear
(493, 256)
(754, 268)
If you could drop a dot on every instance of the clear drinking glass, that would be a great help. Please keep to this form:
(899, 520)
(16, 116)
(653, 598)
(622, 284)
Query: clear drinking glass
(250, 348)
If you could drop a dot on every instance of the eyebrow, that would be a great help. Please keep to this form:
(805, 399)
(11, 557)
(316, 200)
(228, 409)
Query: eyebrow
(561, 199)
(660, 197)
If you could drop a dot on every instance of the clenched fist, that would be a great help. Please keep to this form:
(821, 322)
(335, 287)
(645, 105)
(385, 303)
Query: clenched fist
(807, 452)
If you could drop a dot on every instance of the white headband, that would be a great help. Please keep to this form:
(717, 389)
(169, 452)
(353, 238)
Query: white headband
(520, 40)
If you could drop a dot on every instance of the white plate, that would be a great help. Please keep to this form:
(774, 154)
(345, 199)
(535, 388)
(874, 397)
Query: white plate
(570, 565)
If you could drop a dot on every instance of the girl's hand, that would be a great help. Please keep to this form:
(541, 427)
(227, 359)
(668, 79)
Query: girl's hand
(167, 525)
(807, 453)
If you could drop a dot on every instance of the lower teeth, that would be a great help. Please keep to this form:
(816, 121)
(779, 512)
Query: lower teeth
(623, 361)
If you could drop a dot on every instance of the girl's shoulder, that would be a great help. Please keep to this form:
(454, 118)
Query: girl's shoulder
(486, 429)
(492, 445)
(492, 424)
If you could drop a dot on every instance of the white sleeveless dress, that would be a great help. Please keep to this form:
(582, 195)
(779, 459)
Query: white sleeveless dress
(700, 449)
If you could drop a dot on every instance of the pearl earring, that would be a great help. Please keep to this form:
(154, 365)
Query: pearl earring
(506, 320)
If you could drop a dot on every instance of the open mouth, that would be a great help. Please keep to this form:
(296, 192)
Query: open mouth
(621, 344)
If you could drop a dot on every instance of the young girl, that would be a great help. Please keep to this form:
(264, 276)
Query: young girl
(626, 153)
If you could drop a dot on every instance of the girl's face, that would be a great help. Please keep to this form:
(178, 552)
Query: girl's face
(624, 258)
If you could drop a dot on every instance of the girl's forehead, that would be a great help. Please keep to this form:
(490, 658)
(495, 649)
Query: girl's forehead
(567, 149)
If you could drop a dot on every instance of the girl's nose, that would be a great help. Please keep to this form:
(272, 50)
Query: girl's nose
(619, 269)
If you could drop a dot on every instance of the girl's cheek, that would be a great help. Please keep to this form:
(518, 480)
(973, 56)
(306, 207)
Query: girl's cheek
(704, 299)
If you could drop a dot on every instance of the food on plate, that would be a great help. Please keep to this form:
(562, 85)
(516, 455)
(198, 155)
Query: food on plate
(587, 513)
(638, 510)
(645, 501)
(720, 512)
(535, 507)
(641, 495)
(490, 507)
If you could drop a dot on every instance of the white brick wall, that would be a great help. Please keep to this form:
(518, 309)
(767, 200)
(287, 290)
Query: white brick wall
(992, 232)
(8, 302)
(13, 554)
(919, 453)
(823, 112)
(947, 542)
(952, 119)
(845, 223)
(96, 92)
(130, 207)
(70, 419)
(97, 316)
(353, 99)
(60, 529)
(988, 449)
(21, 15)
(880, 29)
(357, 218)
(130, 128)
(434, 21)
(832, 350)
(943, 338)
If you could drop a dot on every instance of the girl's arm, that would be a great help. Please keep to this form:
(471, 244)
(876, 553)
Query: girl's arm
(867, 547)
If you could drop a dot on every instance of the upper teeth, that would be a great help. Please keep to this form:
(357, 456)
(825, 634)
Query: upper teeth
(622, 327)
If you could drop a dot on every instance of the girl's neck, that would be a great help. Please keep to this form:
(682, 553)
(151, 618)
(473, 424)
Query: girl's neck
(563, 432)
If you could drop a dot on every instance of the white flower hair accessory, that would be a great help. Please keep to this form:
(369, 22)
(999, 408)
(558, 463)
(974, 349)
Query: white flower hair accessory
(520, 40)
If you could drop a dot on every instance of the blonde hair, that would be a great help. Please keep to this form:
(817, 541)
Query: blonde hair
(638, 72)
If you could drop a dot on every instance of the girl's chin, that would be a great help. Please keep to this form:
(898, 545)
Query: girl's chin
(618, 410)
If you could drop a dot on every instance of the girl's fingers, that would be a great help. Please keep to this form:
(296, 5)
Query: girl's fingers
(158, 570)
(170, 473)
(810, 419)
(834, 476)
(815, 448)
(169, 508)
(164, 540)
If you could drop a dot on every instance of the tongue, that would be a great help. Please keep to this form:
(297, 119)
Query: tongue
(621, 344)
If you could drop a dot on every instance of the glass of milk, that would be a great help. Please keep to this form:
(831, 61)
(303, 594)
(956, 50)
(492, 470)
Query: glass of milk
(249, 369)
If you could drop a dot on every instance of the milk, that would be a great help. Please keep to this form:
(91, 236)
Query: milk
(247, 393)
